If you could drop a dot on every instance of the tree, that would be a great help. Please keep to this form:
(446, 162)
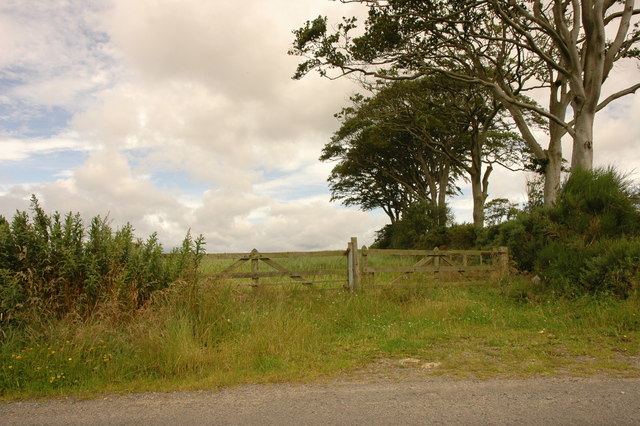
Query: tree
(510, 47)
(455, 124)
(499, 210)
(474, 122)
(382, 166)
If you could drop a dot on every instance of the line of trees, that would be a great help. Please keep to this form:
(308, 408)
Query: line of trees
(410, 142)
(453, 80)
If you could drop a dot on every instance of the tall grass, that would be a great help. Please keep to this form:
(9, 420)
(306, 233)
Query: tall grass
(203, 336)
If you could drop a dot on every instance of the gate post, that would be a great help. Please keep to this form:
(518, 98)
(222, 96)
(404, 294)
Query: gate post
(353, 265)
(356, 264)
(254, 267)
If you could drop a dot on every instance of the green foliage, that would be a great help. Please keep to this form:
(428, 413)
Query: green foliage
(419, 220)
(51, 266)
(589, 242)
(615, 268)
(596, 204)
(499, 210)
(607, 266)
(524, 236)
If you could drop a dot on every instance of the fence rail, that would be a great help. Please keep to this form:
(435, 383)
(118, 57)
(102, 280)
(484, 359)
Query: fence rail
(355, 265)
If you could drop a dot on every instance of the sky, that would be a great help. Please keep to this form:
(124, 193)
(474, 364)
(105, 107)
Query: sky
(181, 115)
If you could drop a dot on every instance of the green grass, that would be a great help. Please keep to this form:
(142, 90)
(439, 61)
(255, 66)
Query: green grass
(212, 336)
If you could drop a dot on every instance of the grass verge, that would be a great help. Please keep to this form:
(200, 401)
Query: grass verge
(210, 336)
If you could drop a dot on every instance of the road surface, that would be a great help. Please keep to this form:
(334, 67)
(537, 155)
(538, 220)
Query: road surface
(429, 400)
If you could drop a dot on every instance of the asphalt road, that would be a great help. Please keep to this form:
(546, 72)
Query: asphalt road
(540, 401)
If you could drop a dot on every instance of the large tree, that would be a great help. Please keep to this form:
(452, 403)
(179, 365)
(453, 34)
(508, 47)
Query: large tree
(511, 47)
(378, 167)
(378, 156)
(423, 132)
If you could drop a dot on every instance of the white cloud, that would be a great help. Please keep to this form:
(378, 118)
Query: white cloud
(52, 51)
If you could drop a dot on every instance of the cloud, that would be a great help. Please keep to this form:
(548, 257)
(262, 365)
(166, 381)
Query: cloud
(52, 54)
(617, 135)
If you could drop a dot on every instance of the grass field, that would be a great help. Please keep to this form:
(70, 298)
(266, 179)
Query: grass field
(210, 335)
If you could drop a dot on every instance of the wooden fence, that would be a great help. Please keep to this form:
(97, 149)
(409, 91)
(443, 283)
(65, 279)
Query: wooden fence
(355, 265)
(464, 264)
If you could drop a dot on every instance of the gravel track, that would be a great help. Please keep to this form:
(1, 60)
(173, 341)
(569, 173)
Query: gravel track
(408, 399)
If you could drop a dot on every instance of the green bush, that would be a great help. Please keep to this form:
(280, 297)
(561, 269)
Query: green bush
(51, 266)
(597, 204)
(606, 267)
(614, 268)
(524, 236)
(587, 243)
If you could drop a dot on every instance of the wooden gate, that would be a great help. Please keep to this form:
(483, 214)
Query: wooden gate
(268, 269)
(258, 269)
(434, 262)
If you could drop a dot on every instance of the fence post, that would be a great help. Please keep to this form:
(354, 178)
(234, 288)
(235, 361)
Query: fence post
(504, 260)
(366, 278)
(356, 263)
(350, 264)
(254, 266)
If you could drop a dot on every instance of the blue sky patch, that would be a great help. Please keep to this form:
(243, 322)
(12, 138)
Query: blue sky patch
(40, 167)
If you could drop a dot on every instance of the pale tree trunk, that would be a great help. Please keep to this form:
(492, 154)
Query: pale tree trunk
(479, 192)
(442, 195)
(586, 83)
(551, 157)
(552, 174)
(444, 185)
(478, 200)
(558, 103)
(582, 156)
(479, 183)
(438, 186)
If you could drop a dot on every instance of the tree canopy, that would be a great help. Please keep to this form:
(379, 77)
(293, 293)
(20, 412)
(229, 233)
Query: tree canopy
(566, 48)
(412, 139)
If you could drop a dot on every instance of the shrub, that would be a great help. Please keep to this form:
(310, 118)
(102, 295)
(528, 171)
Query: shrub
(587, 243)
(614, 267)
(597, 204)
(51, 266)
(524, 237)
